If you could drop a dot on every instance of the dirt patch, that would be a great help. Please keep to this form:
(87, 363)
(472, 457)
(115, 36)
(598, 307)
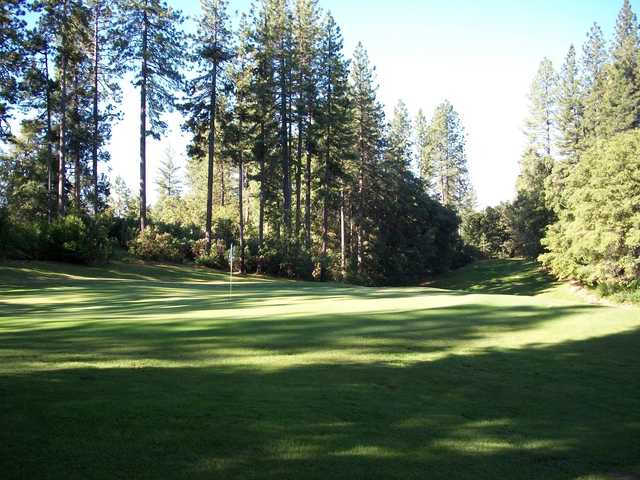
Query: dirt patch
(595, 299)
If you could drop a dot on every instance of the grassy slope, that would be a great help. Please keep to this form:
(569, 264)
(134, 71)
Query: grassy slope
(156, 372)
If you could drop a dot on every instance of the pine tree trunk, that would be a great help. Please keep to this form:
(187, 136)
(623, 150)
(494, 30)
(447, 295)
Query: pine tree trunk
(343, 249)
(325, 187)
(241, 205)
(63, 119)
(95, 139)
(49, 140)
(262, 187)
(299, 178)
(361, 194)
(77, 147)
(307, 204)
(284, 149)
(222, 184)
(211, 157)
(143, 120)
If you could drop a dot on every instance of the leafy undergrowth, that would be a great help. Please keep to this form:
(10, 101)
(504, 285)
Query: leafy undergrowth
(163, 371)
(630, 294)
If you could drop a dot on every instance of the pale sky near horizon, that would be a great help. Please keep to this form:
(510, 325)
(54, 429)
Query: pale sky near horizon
(480, 55)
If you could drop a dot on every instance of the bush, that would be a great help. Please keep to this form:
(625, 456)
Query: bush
(217, 259)
(71, 239)
(78, 240)
(618, 293)
(297, 265)
(123, 230)
(19, 241)
(153, 245)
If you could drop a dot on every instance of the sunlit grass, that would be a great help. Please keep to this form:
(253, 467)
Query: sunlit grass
(161, 372)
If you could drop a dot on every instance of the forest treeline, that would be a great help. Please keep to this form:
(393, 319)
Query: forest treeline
(291, 157)
(578, 201)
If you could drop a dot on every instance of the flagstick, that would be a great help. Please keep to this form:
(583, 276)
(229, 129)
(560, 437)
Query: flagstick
(230, 270)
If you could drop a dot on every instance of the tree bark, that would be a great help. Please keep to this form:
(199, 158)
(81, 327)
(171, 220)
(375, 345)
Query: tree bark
(284, 147)
(343, 249)
(299, 176)
(63, 119)
(241, 205)
(95, 139)
(262, 186)
(143, 120)
(211, 156)
(77, 146)
(223, 197)
(49, 140)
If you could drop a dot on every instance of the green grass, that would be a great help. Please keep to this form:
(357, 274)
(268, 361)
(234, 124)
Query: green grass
(157, 372)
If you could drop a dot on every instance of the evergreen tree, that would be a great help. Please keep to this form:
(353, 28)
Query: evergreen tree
(239, 132)
(447, 154)
(12, 26)
(63, 55)
(22, 176)
(597, 237)
(531, 212)
(570, 109)
(368, 126)
(108, 65)
(213, 49)
(334, 123)
(540, 124)
(400, 143)
(122, 201)
(38, 91)
(594, 57)
(425, 165)
(263, 96)
(168, 181)
(622, 93)
(306, 38)
(155, 52)
(282, 50)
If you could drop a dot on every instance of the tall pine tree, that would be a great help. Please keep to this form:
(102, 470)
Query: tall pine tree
(213, 49)
(570, 109)
(540, 124)
(155, 53)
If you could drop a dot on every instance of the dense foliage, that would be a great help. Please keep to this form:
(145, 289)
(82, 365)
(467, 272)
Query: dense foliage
(597, 237)
(579, 188)
(291, 157)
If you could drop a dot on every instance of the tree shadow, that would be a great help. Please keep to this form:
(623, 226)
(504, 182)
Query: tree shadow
(563, 412)
(172, 378)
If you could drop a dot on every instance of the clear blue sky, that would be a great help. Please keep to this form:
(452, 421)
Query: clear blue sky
(479, 54)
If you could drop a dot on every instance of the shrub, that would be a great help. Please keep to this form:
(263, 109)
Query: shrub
(297, 265)
(123, 230)
(199, 248)
(153, 245)
(217, 259)
(19, 241)
(76, 239)
(71, 239)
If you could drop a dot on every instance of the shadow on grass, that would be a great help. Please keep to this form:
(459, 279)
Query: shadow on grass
(165, 320)
(213, 406)
(504, 277)
(562, 412)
